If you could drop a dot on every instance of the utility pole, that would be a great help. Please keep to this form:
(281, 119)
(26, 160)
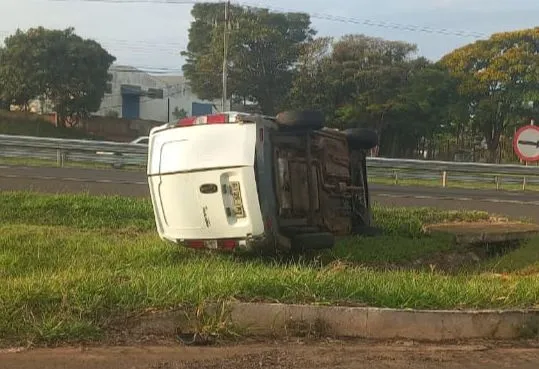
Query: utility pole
(225, 55)
(168, 110)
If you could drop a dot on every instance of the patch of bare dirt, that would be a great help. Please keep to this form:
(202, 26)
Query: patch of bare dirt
(280, 355)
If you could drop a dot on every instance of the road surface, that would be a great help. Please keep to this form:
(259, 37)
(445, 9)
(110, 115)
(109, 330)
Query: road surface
(126, 183)
(342, 355)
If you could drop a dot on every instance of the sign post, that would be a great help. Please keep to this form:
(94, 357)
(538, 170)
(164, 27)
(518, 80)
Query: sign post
(526, 145)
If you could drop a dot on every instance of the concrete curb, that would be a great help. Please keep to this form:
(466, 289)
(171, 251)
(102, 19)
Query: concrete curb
(280, 320)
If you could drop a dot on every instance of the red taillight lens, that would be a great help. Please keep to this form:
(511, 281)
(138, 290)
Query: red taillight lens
(228, 244)
(212, 244)
(204, 119)
(185, 122)
(217, 119)
(195, 244)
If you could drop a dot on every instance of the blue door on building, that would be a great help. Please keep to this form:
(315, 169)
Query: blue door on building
(201, 109)
(130, 106)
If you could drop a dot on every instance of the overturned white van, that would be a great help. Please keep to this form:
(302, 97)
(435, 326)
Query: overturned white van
(237, 181)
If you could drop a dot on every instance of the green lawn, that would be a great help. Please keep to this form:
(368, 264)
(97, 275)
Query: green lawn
(72, 264)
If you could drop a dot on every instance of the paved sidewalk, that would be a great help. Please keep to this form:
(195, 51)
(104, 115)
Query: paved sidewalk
(342, 355)
(486, 232)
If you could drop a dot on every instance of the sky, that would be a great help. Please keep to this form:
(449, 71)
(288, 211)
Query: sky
(151, 35)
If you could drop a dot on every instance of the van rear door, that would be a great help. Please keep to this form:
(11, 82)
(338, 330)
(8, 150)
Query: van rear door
(202, 182)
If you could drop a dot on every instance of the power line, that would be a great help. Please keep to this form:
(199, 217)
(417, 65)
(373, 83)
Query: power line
(175, 2)
(321, 16)
(147, 47)
(150, 45)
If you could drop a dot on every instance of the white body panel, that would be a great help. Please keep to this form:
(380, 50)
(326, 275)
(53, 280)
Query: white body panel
(183, 159)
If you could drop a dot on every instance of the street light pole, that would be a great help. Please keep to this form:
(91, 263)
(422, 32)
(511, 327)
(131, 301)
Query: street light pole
(225, 56)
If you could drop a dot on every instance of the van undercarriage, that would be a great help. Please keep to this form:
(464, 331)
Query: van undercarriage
(329, 195)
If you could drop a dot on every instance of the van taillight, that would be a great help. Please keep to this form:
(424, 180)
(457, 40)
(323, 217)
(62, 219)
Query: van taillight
(212, 244)
(195, 244)
(203, 119)
(228, 244)
(217, 119)
(186, 122)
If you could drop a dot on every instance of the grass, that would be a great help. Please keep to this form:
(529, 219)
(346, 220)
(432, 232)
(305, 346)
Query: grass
(71, 265)
(116, 212)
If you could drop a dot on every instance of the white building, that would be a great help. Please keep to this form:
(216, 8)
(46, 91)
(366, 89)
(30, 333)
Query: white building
(135, 94)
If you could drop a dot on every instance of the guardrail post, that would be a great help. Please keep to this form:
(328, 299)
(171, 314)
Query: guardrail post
(444, 179)
(525, 180)
(396, 177)
(497, 180)
(59, 158)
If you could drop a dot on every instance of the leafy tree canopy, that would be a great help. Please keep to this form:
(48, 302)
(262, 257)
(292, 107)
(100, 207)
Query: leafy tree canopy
(497, 77)
(56, 65)
(262, 50)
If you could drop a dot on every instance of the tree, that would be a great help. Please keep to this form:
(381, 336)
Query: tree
(3, 102)
(179, 113)
(312, 85)
(368, 74)
(59, 66)
(17, 83)
(497, 77)
(372, 71)
(361, 81)
(262, 50)
(427, 106)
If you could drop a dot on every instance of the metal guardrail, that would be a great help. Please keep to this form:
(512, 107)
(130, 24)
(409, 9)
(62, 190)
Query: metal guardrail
(447, 166)
(400, 170)
(65, 150)
(119, 154)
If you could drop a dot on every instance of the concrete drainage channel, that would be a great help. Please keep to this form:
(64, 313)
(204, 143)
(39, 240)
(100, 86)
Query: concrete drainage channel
(280, 320)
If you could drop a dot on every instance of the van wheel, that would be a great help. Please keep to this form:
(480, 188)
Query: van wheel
(301, 119)
(361, 138)
(362, 215)
(312, 241)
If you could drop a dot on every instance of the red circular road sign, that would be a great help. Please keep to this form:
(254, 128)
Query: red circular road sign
(526, 143)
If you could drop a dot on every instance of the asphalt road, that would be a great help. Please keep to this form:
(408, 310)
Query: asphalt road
(126, 183)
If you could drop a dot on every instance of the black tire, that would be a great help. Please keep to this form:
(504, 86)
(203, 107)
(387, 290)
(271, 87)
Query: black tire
(312, 241)
(361, 215)
(301, 119)
(361, 138)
